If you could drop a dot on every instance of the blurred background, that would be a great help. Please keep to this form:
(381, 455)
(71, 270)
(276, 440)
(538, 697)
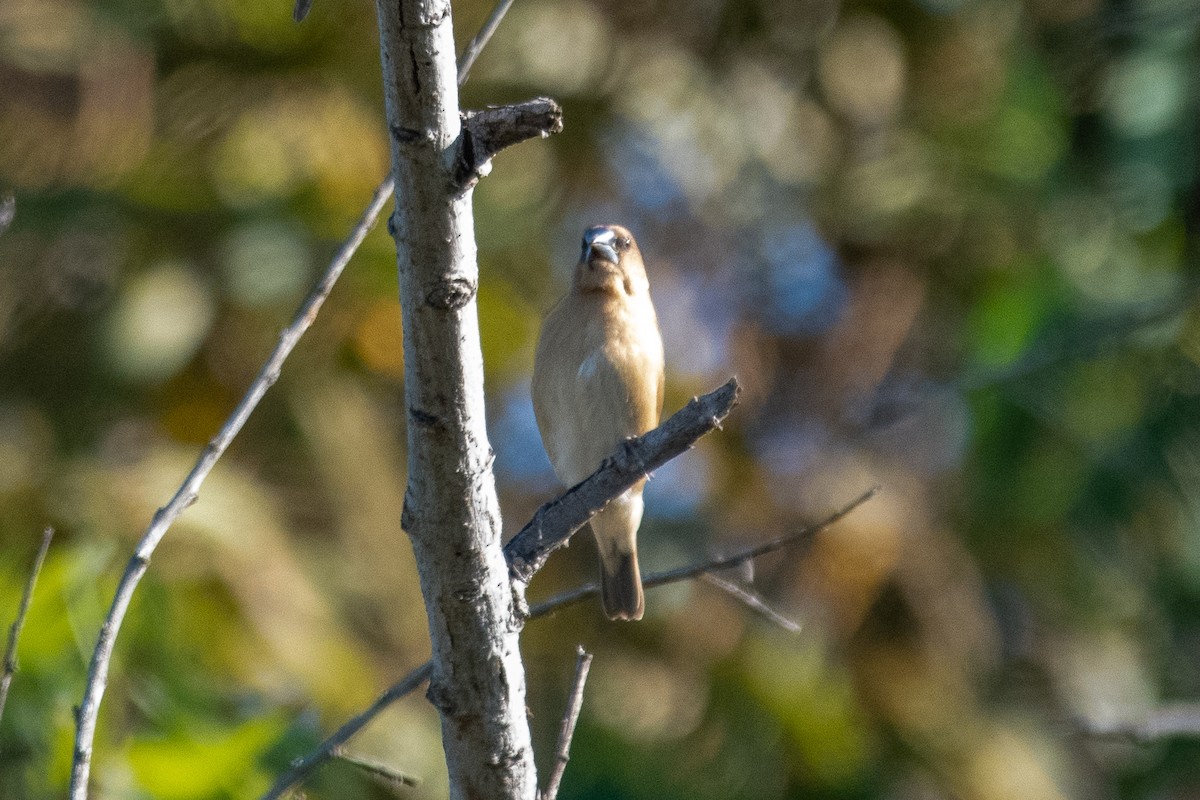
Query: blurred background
(948, 246)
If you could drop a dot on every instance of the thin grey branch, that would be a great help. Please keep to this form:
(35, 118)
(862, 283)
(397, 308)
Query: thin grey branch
(186, 494)
(753, 601)
(801, 536)
(1174, 721)
(392, 778)
(303, 767)
(485, 133)
(300, 11)
(480, 40)
(556, 521)
(14, 633)
(562, 753)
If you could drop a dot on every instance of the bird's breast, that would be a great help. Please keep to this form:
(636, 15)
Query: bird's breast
(596, 380)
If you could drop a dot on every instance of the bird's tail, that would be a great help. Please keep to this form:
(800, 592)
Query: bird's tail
(621, 587)
(615, 529)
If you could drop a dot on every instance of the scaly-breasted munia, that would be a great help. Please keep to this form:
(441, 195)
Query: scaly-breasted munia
(598, 380)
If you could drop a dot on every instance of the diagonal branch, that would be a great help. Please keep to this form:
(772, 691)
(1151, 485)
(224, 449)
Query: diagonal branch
(305, 766)
(1172, 721)
(556, 521)
(97, 676)
(549, 529)
(386, 775)
(801, 536)
(480, 40)
(14, 633)
(753, 601)
(562, 753)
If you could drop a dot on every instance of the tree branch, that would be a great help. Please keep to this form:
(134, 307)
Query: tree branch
(735, 559)
(186, 494)
(381, 772)
(14, 633)
(1177, 720)
(556, 521)
(303, 767)
(485, 133)
(562, 753)
(549, 529)
(409, 682)
(480, 40)
(753, 601)
(451, 510)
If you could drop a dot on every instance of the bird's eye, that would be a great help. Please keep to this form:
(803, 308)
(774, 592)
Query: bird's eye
(623, 243)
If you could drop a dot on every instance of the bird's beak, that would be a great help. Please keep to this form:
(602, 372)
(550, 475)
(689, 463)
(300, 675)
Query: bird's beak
(599, 242)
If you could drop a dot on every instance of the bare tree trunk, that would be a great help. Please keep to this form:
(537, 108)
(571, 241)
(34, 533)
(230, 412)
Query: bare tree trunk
(451, 511)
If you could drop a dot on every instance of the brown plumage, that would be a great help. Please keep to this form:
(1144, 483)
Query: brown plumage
(597, 380)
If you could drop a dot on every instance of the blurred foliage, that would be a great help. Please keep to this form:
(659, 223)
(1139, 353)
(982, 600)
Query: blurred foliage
(947, 245)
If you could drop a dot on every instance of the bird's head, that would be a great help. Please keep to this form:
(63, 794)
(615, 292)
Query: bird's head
(610, 262)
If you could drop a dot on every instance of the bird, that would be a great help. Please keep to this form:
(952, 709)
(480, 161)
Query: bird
(598, 379)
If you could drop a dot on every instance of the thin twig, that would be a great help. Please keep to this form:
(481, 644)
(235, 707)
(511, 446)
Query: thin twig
(562, 753)
(387, 775)
(304, 767)
(1174, 721)
(476, 45)
(97, 676)
(753, 601)
(712, 565)
(14, 633)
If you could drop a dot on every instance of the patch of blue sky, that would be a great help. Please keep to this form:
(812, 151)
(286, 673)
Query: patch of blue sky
(696, 319)
(678, 488)
(637, 161)
(803, 291)
(789, 448)
(520, 457)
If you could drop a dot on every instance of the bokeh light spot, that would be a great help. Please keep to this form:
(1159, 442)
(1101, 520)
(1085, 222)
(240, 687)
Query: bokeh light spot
(677, 488)
(804, 290)
(1144, 94)
(159, 323)
(264, 263)
(863, 70)
(520, 457)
